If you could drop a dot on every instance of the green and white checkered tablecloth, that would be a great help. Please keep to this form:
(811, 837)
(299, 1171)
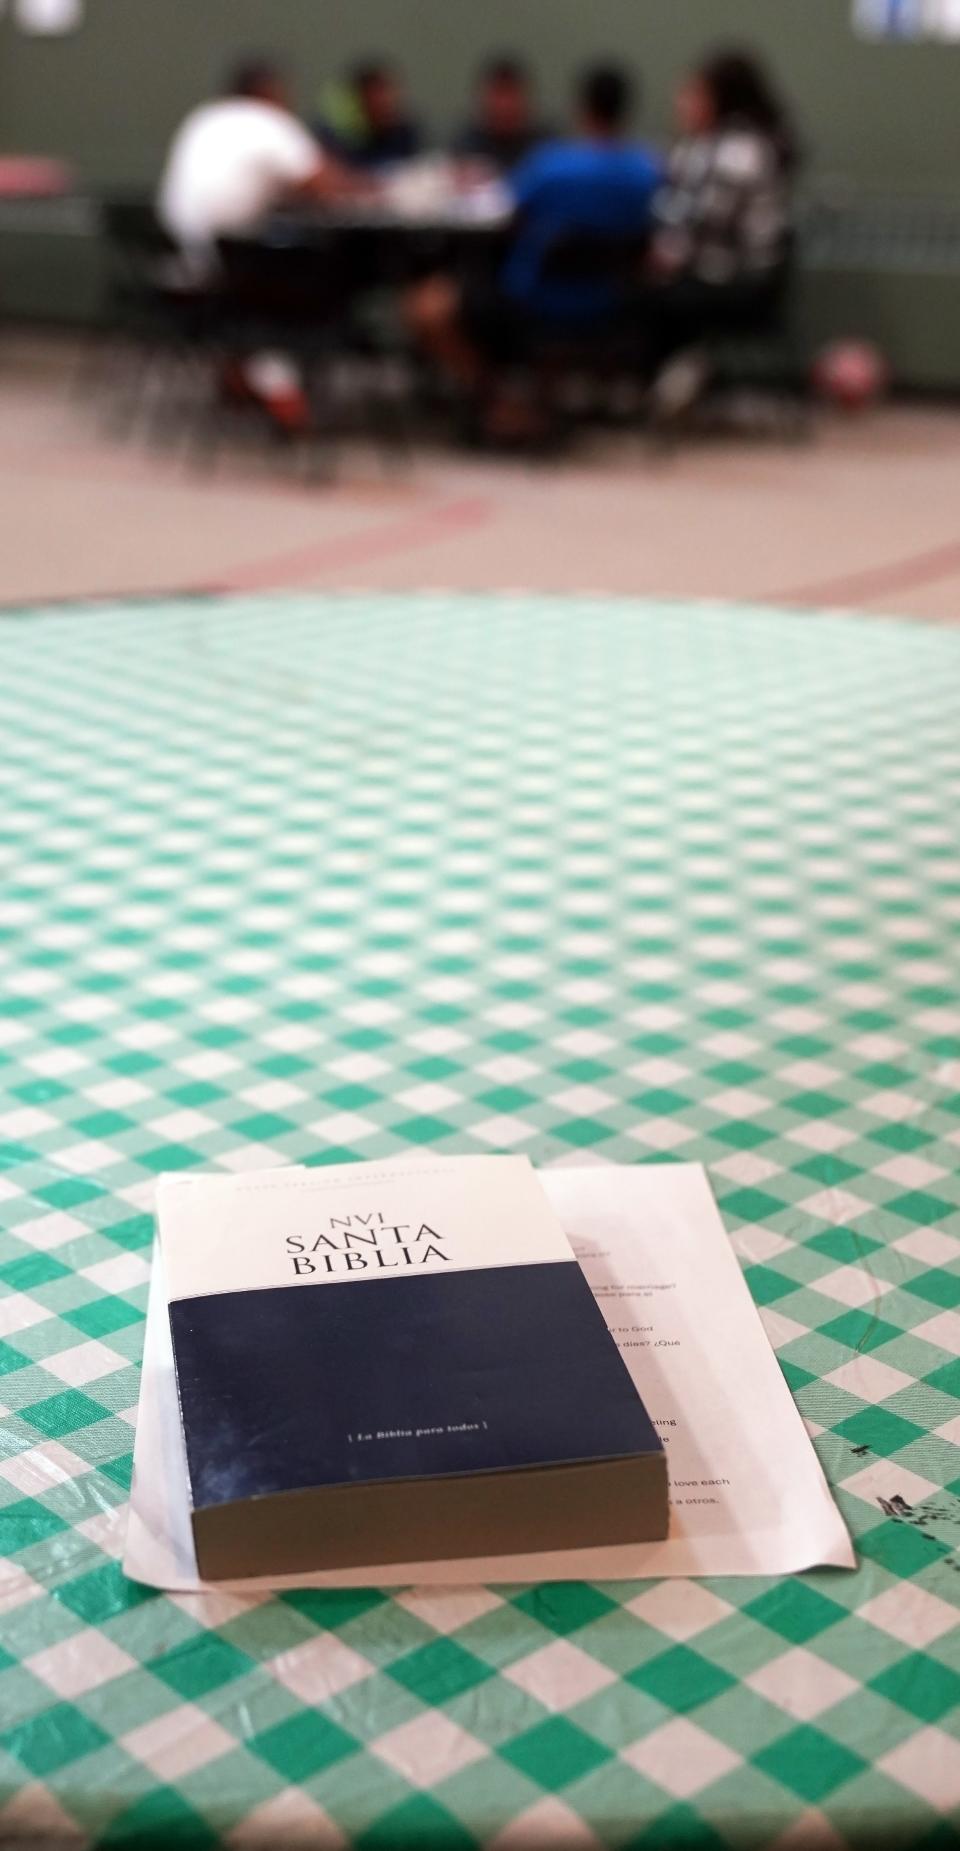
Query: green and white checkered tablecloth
(321, 878)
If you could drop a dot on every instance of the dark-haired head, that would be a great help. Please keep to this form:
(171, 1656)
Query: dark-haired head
(731, 89)
(504, 68)
(504, 95)
(379, 86)
(258, 78)
(606, 96)
(368, 72)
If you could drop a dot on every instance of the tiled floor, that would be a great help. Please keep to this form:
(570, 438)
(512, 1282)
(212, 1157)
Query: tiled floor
(865, 516)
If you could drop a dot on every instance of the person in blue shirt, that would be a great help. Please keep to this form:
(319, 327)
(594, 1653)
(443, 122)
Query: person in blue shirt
(596, 186)
(574, 200)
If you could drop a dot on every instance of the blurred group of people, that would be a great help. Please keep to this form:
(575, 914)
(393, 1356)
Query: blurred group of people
(246, 152)
(709, 218)
(367, 120)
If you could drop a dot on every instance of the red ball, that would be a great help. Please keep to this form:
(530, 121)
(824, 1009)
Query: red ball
(850, 374)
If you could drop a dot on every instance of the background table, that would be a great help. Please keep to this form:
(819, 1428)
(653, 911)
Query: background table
(326, 878)
(377, 246)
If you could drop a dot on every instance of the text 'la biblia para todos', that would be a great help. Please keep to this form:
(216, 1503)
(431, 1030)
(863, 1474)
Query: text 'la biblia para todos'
(364, 1243)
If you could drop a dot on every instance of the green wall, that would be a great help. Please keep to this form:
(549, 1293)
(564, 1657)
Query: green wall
(107, 96)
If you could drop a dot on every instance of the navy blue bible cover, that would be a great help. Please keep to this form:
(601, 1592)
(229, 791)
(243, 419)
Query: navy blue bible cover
(344, 1331)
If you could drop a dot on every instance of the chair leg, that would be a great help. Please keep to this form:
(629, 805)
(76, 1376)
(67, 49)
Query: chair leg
(130, 364)
(165, 400)
(90, 374)
(390, 403)
(318, 447)
(207, 417)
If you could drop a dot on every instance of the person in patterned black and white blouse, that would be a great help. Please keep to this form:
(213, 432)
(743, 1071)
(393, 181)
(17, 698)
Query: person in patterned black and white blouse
(724, 217)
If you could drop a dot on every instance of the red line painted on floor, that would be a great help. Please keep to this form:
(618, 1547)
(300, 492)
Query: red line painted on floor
(860, 587)
(354, 549)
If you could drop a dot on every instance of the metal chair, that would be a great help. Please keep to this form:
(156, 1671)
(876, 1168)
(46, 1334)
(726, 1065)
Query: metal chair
(297, 290)
(162, 323)
(755, 362)
(576, 360)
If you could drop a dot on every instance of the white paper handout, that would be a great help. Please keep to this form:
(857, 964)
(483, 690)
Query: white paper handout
(748, 1496)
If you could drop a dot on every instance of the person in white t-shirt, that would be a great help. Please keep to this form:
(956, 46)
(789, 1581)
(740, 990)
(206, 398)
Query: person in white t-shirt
(233, 161)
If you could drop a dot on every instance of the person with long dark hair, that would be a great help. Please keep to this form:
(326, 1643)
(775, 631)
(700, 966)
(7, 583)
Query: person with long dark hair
(724, 216)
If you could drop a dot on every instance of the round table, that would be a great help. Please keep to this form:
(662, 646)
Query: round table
(313, 878)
